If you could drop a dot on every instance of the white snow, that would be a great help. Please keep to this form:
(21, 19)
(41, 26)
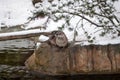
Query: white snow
(43, 38)
(117, 4)
(15, 12)
(20, 32)
(36, 23)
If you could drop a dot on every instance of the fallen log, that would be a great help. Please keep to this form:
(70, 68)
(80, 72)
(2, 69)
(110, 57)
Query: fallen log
(22, 34)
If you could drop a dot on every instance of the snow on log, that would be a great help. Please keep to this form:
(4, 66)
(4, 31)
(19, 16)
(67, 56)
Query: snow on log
(22, 34)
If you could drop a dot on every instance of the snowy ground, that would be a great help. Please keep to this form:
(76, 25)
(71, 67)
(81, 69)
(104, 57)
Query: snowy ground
(16, 12)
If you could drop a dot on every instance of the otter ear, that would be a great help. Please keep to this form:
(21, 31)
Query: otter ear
(53, 32)
(59, 33)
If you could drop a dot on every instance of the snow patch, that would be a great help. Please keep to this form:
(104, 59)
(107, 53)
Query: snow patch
(43, 38)
(15, 12)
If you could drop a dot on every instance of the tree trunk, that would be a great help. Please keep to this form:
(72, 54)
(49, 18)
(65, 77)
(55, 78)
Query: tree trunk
(73, 60)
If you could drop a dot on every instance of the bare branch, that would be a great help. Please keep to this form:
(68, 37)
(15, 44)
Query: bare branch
(81, 17)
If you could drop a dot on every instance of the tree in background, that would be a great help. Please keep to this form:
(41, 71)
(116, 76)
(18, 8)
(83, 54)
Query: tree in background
(95, 13)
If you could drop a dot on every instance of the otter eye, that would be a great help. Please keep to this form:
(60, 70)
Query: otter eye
(58, 33)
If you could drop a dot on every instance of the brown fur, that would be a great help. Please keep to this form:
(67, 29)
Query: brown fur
(57, 38)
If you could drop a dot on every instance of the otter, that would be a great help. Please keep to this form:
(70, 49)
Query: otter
(57, 38)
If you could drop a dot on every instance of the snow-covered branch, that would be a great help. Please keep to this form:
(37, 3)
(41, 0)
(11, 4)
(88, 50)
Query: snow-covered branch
(22, 34)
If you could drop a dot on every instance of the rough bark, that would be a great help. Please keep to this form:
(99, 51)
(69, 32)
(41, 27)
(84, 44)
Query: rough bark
(75, 59)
